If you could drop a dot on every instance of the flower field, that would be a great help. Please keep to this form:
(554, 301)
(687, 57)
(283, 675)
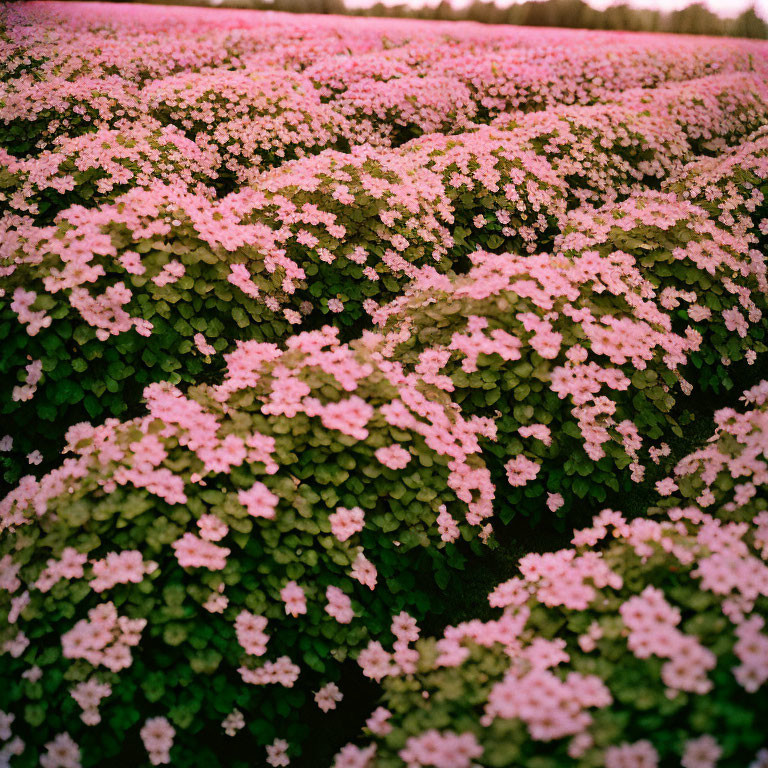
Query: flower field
(380, 394)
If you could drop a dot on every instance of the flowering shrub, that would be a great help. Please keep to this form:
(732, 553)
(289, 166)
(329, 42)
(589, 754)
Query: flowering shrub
(97, 167)
(642, 645)
(144, 289)
(159, 268)
(641, 135)
(33, 114)
(359, 225)
(713, 111)
(204, 557)
(502, 195)
(530, 78)
(50, 41)
(312, 305)
(254, 119)
(602, 151)
(393, 111)
(731, 186)
(577, 358)
(333, 75)
(687, 258)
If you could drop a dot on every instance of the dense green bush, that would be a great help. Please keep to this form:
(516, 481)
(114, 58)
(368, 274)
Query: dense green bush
(98, 167)
(591, 344)
(366, 326)
(361, 225)
(642, 645)
(113, 298)
(311, 467)
(255, 119)
(502, 196)
(116, 296)
(33, 113)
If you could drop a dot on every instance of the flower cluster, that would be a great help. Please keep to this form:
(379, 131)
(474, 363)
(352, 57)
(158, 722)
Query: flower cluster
(253, 118)
(231, 513)
(99, 166)
(297, 313)
(633, 648)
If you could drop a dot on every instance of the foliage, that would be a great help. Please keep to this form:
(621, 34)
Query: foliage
(631, 648)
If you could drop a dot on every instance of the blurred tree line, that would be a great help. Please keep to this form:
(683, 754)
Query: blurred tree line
(695, 19)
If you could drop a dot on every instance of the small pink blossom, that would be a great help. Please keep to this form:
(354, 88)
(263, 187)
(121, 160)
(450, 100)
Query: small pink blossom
(346, 522)
(393, 456)
(293, 597)
(328, 696)
(521, 470)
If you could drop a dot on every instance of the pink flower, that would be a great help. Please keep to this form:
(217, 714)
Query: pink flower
(703, 752)
(404, 627)
(293, 597)
(447, 527)
(666, 487)
(62, 752)
(328, 696)
(346, 522)
(734, 321)
(277, 753)
(131, 263)
(393, 456)
(203, 346)
(281, 672)
(352, 756)
(212, 528)
(378, 722)
(349, 416)
(127, 567)
(555, 501)
(6, 720)
(157, 734)
(442, 750)
(89, 695)
(538, 431)
(258, 500)
(250, 633)
(192, 552)
(233, 722)
(240, 277)
(641, 754)
(521, 470)
(339, 605)
(364, 571)
(33, 674)
(375, 662)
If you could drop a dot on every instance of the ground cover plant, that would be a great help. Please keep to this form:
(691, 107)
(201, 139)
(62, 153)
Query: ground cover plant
(311, 328)
(643, 644)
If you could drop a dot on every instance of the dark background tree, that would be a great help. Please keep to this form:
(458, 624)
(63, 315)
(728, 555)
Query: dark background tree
(695, 19)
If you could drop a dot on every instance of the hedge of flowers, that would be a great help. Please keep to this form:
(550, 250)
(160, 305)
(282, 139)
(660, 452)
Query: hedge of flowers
(33, 114)
(579, 357)
(297, 314)
(107, 300)
(642, 135)
(99, 166)
(254, 119)
(340, 232)
(251, 532)
(642, 645)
